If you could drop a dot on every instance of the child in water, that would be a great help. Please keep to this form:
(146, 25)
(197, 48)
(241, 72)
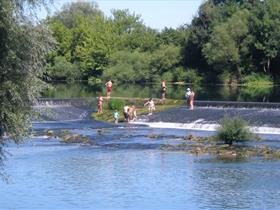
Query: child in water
(116, 117)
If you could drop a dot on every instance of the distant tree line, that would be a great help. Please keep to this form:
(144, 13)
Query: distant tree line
(227, 41)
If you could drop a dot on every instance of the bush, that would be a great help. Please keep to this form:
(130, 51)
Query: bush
(233, 129)
(189, 75)
(63, 70)
(93, 81)
(257, 80)
(167, 76)
(116, 104)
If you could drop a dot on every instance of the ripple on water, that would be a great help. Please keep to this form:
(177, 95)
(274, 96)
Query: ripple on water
(47, 175)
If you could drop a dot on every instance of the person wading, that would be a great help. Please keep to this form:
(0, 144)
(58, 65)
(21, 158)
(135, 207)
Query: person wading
(99, 104)
(190, 98)
(151, 106)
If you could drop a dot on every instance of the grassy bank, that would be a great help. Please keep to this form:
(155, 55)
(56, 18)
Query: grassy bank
(109, 105)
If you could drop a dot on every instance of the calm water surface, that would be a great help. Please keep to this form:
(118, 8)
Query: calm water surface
(46, 174)
(203, 92)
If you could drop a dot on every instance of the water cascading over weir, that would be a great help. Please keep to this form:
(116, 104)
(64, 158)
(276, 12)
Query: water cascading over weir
(205, 116)
(52, 113)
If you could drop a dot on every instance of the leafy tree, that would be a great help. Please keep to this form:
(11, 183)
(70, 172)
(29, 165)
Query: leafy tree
(22, 54)
(129, 67)
(173, 36)
(234, 37)
(83, 36)
(131, 33)
(165, 58)
(225, 42)
(266, 29)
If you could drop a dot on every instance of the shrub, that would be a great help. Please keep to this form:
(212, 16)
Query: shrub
(257, 80)
(116, 104)
(189, 75)
(168, 76)
(92, 81)
(233, 129)
(63, 70)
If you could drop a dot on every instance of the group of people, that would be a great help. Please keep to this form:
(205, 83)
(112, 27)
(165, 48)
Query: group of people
(129, 112)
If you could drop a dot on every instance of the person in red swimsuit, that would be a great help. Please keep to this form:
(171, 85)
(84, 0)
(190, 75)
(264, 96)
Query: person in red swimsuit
(109, 86)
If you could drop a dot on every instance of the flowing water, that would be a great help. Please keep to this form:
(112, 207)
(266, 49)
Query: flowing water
(124, 168)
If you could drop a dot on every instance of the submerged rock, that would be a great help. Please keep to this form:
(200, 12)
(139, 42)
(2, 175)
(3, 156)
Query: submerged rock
(50, 133)
(75, 138)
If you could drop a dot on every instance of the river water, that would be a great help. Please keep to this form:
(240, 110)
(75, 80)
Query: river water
(124, 169)
(203, 91)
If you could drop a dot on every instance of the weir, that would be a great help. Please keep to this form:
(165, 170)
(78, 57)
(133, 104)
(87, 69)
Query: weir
(263, 117)
(76, 102)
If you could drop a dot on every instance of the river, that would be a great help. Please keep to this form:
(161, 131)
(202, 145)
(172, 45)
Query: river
(210, 92)
(124, 169)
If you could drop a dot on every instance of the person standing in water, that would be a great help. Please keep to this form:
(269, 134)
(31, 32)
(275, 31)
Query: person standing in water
(190, 97)
(125, 113)
(99, 104)
(163, 89)
(109, 87)
(132, 113)
(151, 106)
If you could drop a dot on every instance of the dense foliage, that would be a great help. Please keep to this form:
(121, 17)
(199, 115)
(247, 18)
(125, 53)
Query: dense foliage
(23, 48)
(233, 38)
(120, 47)
(227, 40)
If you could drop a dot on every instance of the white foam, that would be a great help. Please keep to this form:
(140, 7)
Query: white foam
(205, 126)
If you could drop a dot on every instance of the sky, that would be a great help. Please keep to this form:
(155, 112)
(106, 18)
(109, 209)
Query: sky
(156, 14)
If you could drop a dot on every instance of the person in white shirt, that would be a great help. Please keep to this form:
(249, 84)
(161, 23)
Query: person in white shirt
(190, 97)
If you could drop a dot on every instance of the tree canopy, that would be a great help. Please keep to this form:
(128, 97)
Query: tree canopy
(225, 41)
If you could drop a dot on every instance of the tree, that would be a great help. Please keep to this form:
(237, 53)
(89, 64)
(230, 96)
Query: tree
(225, 44)
(266, 28)
(22, 54)
(84, 39)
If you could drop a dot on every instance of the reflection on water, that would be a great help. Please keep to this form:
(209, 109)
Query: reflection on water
(203, 92)
(46, 174)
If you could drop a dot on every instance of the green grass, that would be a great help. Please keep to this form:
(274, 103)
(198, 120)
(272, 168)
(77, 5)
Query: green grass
(107, 114)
